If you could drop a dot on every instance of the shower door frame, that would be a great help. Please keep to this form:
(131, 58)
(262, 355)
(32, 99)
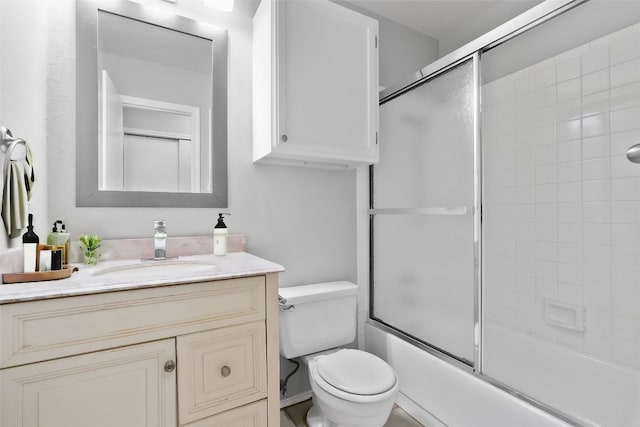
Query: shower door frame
(473, 50)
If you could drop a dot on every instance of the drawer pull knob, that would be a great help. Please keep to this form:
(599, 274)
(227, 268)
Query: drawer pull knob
(169, 366)
(225, 371)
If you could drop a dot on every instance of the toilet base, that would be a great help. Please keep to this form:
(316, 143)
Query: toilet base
(315, 418)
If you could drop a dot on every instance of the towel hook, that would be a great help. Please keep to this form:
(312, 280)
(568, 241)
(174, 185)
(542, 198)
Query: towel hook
(8, 142)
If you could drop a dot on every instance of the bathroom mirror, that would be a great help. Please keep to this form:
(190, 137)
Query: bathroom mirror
(151, 108)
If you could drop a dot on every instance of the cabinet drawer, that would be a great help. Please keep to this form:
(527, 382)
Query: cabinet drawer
(41, 330)
(252, 415)
(220, 369)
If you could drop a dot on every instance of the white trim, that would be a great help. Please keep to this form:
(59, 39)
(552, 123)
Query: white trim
(295, 399)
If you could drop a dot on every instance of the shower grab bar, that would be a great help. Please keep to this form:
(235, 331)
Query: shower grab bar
(460, 210)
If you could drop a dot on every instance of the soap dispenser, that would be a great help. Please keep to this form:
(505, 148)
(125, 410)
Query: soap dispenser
(220, 234)
(59, 236)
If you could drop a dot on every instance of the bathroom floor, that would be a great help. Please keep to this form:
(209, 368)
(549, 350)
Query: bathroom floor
(294, 416)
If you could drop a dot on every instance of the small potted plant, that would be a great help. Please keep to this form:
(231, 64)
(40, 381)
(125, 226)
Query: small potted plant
(89, 245)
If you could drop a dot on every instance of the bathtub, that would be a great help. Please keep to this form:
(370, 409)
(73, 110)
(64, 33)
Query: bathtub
(438, 393)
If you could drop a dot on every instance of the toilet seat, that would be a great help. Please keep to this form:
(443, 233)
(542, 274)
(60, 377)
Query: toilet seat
(354, 375)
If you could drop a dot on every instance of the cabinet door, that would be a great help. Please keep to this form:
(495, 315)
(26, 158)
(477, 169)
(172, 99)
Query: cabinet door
(125, 387)
(328, 81)
(221, 369)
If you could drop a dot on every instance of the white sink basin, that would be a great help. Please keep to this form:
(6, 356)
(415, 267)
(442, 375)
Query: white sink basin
(157, 269)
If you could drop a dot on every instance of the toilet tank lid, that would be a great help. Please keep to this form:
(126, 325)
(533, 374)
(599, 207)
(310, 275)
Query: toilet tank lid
(317, 291)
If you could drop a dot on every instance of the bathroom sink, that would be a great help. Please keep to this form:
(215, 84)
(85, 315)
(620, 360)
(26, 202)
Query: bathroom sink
(156, 269)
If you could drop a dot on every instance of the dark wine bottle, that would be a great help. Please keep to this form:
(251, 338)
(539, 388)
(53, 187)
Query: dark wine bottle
(30, 242)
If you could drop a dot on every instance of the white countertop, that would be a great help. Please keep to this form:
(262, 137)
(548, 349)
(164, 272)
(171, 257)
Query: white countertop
(85, 281)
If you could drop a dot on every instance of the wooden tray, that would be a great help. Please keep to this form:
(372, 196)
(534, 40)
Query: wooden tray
(38, 276)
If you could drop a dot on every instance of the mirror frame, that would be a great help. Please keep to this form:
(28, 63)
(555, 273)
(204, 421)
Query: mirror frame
(87, 191)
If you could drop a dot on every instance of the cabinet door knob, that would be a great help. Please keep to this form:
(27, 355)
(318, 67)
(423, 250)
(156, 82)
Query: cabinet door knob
(284, 137)
(169, 366)
(225, 371)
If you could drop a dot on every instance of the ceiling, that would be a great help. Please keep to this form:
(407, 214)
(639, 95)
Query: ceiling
(439, 18)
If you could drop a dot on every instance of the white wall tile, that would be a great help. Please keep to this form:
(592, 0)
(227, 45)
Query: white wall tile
(570, 192)
(569, 110)
(595, 125)
(596, 234)
(545, 155)
(569, 232)
(596, 103)
(523, 84)
(625, 119)
(546, 193)
(626, 328)
(625, 212)
(524, 103)
(570, 212)
(569, 89)
(544, 97)
(595, 191)
(569, 69)
(597, 277)
(625, 96)
(625, 258)
(595, 60)
(625, 73)
(596, 212)
(625, 352)
(593, 169)
(595, 147)
(567, 131)
(570, 273)
(625, 49)
(625, 235)
(544, 77)
(625, 281)
(621, 167)
(595, 82)
(569, 172)
(625, 189)
(546, 270)
(621, 141)
(569, 151)
(570, 253)
(597, 300)
(626, 305)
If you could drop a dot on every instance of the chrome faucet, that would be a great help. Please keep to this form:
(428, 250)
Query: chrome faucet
(159, 240)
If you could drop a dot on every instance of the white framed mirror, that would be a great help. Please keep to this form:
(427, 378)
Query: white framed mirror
(151, 119)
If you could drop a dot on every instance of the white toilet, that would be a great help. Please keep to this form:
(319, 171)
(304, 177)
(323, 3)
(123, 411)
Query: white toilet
(350, 387)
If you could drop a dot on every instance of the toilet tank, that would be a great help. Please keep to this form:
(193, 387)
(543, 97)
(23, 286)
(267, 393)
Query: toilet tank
(323, 317)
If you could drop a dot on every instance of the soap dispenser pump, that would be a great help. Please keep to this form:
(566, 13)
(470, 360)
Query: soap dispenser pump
(220, 234)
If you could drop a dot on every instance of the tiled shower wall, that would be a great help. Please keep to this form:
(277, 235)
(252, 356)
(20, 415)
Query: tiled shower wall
(562, 202)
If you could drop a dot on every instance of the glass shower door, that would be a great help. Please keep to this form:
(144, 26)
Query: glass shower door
(424, 247)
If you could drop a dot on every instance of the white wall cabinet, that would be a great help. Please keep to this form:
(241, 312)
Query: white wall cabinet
(315, 85)
(197, 354)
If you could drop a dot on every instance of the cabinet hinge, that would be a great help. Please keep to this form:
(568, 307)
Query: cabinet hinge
(376, 38)
(376, 138)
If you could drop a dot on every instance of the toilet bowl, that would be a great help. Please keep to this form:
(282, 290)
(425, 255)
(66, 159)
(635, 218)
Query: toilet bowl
(351, 388)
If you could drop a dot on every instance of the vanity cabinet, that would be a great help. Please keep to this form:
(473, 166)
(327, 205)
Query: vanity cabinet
(195, 354)
(315, 85)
